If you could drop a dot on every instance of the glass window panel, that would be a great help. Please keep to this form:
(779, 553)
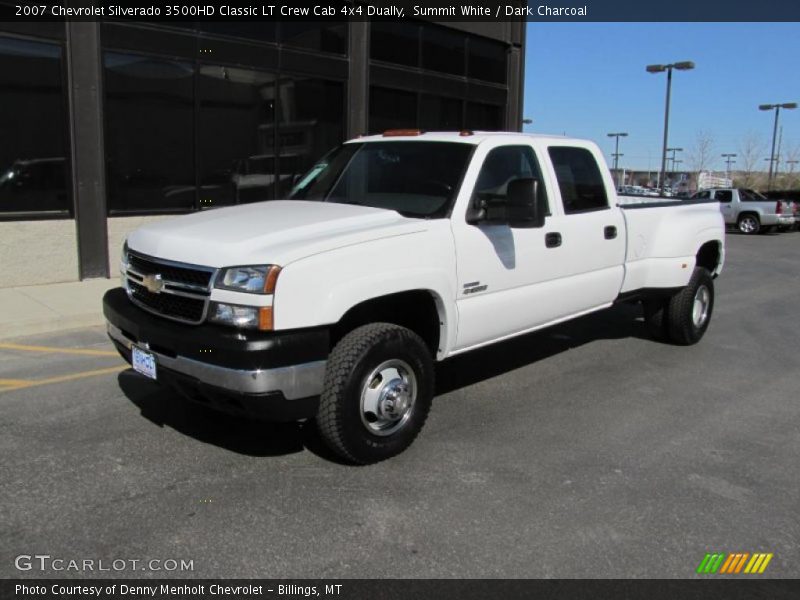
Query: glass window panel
(484, 117)
(149, 133)
(443, 50)
(315, 35)
(502, 166)
(236, 149)
(441, 114)
(263, 31)
(487, 60)
(34, 164)
(391, 109)
(395, 42)
(579, 179)
(310, 124)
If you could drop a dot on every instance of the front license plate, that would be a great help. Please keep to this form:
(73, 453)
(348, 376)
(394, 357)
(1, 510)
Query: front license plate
(144, 363)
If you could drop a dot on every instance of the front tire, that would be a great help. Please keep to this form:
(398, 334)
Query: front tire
(689, 311)
(378, 391)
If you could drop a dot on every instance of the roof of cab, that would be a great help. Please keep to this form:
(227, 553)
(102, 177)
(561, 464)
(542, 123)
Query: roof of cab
(465, 137)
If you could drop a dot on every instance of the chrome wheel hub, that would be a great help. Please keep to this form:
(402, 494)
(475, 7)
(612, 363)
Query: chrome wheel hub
(702, 302)
(747, 225)
(387, 397)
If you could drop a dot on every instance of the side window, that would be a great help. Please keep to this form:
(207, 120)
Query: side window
(502, 166)
(579, 179)
(723, 195)
(704, 195)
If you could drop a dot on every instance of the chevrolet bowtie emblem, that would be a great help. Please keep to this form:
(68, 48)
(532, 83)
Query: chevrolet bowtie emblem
(153, 283)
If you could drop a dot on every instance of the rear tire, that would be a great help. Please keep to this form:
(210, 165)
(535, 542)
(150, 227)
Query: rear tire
(689, 311)
(378, 391)
(748, 224)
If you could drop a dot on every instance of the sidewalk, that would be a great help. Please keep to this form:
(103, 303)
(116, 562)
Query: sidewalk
(53, 307)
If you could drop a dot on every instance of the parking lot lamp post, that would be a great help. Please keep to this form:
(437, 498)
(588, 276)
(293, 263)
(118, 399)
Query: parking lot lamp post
(777, 108)
(680, 66)
(728, 162)
(674, 150)
(617, 154)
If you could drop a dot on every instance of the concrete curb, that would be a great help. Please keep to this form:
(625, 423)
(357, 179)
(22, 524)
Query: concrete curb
(50, 308)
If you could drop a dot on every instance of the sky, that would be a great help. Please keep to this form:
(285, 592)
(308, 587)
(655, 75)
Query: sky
(589, 79)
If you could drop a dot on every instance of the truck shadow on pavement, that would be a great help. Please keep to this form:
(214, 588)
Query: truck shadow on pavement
(166, 408)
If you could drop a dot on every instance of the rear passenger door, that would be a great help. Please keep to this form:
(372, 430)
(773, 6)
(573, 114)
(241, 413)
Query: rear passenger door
(592, 232)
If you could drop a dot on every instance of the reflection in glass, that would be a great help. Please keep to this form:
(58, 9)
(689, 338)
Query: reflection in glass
(416, 179)
(484, 117)
(236, 149)
(443, 50)
(394, 42)
(149, 133)
(309, 125)
(487, 60)
(320, 36)
(441, 114)
(34, 174)
(391, 109)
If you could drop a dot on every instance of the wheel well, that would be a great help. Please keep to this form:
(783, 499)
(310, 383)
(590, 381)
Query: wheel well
(415, 310)
(709, 256)
(748, 213)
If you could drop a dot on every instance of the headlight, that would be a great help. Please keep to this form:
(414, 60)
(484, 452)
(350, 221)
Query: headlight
(123, 266)
(244, 317)
(259, 279)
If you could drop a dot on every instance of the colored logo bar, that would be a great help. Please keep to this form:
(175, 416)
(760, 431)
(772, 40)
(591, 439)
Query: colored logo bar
(734, 563)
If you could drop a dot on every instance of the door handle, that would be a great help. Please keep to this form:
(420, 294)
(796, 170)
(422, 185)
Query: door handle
(552, 240)
(610, 232)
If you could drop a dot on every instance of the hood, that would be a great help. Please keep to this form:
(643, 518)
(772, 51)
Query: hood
(277, 232)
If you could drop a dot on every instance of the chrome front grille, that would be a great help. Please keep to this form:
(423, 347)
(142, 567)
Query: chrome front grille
(173, 290)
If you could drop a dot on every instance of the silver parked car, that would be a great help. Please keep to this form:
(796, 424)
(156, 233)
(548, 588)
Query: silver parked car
(749, 211)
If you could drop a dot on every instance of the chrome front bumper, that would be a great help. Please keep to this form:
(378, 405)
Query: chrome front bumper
(294, 381)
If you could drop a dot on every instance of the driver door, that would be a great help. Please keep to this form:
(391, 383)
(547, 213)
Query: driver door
(508, 278)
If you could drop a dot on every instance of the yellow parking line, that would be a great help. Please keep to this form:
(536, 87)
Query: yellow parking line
(14, 382)
(22, 384)
(82, 351)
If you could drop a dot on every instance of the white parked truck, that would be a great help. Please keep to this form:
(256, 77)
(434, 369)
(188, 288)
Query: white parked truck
(393, 252)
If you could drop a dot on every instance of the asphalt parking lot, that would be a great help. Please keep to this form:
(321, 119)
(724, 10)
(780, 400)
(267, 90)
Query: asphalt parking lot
(586, 450)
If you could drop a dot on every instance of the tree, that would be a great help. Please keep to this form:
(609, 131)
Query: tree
(751, 151)
(790, 178)
(701, 154)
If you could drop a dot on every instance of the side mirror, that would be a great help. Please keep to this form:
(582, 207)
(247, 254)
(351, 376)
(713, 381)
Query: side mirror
(527, 206)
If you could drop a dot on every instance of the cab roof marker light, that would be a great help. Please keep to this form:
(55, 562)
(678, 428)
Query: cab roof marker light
(402, 132)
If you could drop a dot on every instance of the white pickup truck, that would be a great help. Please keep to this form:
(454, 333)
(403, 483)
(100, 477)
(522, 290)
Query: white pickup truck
(395, 251)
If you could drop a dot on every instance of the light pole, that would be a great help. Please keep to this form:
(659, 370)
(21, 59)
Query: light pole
(681, 66)
(674, 150)
(777, 108)
(728, 162)
(616, 154)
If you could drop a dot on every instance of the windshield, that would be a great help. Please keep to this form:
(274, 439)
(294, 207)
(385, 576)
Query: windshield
(416, 179)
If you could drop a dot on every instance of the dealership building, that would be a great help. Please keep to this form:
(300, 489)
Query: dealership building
(108, 125)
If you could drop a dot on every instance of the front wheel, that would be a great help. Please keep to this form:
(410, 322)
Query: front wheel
(377, 394)
(689, 311)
